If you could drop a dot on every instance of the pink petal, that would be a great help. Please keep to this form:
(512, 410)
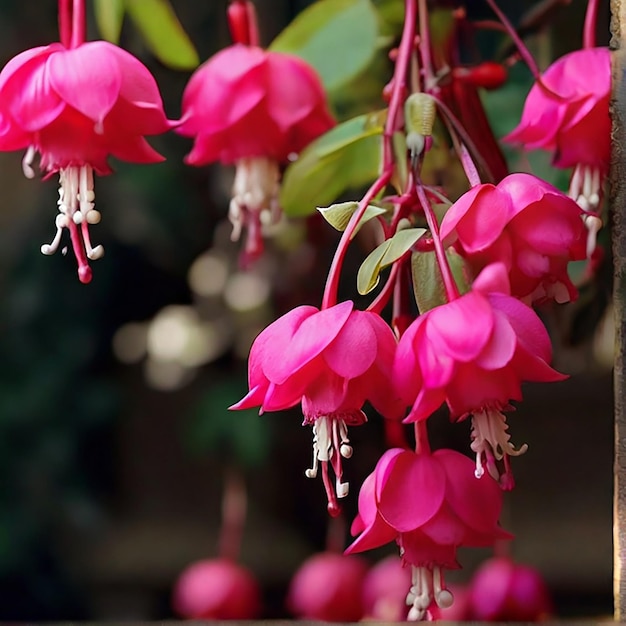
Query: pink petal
(87, 78)
(413, 492)
(501, 347)
(448, 324)
(252, 399)
(426, 403)
(325, 395)
(493, 279)
(445, 528)
(311, 338)
(407, 378)
(354, 349)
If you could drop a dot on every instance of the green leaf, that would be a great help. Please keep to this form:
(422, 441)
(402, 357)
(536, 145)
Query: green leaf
(346, 157)
(163, 33)
(109, 17)
(338, 215)
(337, 37)
(428, 287)
(384, 255)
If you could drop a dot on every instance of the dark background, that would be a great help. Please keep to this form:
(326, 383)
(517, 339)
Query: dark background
(114, 438)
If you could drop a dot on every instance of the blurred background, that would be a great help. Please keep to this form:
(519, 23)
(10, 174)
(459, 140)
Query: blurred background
(115, 442)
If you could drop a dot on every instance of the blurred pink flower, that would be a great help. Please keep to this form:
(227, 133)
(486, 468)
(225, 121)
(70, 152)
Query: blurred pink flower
(504, 591)
(477, 372)
(527, 224)
(453, 509)
(327, 587)
(217, 589)
(332, 361)
(76, 107)
(254, 108)
(384, 590)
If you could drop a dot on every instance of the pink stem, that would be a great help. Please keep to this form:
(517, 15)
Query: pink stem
(78, 23)
(65, 23)
(589, 29)
(519, 44)
(422, 444)
(234, 507)
(336, 534)
(427, 63)
(452, 291)
(84, 271)
(253, 25)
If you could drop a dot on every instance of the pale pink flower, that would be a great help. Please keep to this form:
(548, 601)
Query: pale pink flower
(568, 114)
(430, 504)
(473, 354)
(504, 591)
(332, 361)
(256, 109)
(525, 223)
(75, 108)
(327, 587)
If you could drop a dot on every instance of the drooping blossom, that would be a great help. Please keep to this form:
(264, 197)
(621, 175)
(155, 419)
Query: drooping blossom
(568, 114)
(504, 591)
(473, 353)
(525, 223)
(217, 589)
(256, 109)
(76, 107)
(332, 361)
(327, 587)
(430, 504)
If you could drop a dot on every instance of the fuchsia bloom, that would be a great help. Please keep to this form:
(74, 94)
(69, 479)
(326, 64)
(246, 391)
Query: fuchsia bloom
(76, 107)
(254, 108)
(332, 361)
(527, 224)
(430, 504)
(568, 114)
(477, 372)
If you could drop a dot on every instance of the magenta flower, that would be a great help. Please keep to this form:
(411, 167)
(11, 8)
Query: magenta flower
(332, 361)
(76, 107)
(568, 114)
(430, 504)
(527, 224)
(477, 372)
(256, 109)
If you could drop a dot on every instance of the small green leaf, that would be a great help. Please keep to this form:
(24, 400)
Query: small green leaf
(401, 171)
(338, 215)
(384, 255)
(428, 287)
(163, 33)
(109, 17)
(346, 157)
(337, 37)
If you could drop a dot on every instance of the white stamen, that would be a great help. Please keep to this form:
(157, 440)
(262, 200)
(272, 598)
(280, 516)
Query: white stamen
(27, 162)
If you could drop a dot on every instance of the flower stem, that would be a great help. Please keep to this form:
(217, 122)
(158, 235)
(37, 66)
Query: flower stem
(589, 29)
(422, 444)
(78, 23)
(65, 23)
(234, 506)
(452, 291)
(243, 22)
(424, 46)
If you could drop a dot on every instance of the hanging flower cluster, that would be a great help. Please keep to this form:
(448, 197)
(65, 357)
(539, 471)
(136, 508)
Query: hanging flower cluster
(493, 251)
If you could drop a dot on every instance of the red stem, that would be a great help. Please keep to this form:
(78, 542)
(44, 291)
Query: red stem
(452, 291)
(78, 23)
(591, 19)
(234, 506)
(422, 444)
(65, 23)
(427, 64)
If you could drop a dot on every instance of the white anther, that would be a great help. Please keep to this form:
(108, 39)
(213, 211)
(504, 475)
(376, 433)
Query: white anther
(312, 472)
(444, 599)
(342, 489)
(93, 216)
(27, 161)
(346, 451)
(78, 217)
(61, 221)
(95, 253)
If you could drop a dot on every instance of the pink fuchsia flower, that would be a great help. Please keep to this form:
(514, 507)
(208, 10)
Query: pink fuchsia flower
(527, 224)
(453, 509)
(332, 361)
(217, 589)
(328, 587)
(76, 107)
(256, 109)
(504, 591)
(568, 114)
(477, 372)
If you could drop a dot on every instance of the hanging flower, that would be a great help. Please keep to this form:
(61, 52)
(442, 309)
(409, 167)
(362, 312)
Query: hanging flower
(332, 361)
(477, 372)
(568, 114)
(75, 107)
(430, 504)
(256, 109)
(527, 224)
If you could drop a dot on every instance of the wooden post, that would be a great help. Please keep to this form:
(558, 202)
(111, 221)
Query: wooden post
(618, 211)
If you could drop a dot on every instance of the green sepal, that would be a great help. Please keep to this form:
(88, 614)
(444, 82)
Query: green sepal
(109, 16)
(384, 255)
